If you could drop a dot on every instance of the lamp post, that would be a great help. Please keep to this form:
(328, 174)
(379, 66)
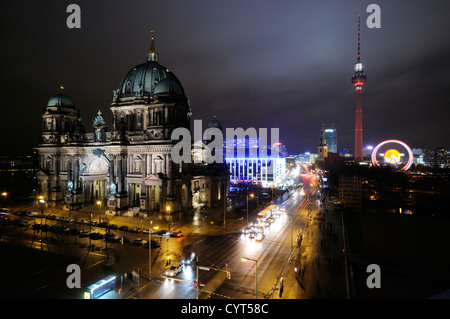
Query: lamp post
(170, 215)
(150, 252)
(5, 196)
(256, 273)
(251, 195)
(99, 203)
(42, 202)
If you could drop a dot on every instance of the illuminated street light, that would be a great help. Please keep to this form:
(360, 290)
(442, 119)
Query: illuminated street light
(168, 212)
(251, 195)
(256, 273)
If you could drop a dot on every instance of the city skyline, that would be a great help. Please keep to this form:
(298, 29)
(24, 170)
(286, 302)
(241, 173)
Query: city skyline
(297, 58)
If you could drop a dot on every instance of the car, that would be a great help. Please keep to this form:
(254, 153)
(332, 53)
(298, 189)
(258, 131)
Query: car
(173, 270)
(69, 220)
(146, 231)
(134, 230)
(138, 242)
(188, 258)
(113, 226)
(252, 234)
(155, 244)
(36, 227)
(84, 233)
(246, 230)
(82, 222)
(163, 232)
(93, 223)
(96, 236)
(45, 228)
(59, 218)
(112, 238)
(179, 234)
(124, 239)
(50, 217)
(123, 228)
(259, 236)
(58, 229)
(74, 231)
(102, 224)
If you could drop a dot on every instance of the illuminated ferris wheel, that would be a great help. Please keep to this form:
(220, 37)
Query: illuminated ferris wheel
(393, 153)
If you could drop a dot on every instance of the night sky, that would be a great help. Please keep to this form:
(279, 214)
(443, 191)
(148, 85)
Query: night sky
(260, 63)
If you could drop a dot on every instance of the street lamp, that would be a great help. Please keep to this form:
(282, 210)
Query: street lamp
(256, 273)
(251, 195)
(168, 212)
(42, 202)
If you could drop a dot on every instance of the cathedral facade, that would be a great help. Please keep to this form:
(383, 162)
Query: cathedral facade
(128, 169)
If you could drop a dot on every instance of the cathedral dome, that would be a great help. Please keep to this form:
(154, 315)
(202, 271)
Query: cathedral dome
(60, 100)
(149, 78)
(215, 124)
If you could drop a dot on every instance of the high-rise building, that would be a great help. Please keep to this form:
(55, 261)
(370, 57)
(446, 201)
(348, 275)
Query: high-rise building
(358, 80)
(331, 139)
(322, 150)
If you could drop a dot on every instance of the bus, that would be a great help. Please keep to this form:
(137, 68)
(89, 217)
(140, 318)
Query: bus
(100, 288)
(268, 211)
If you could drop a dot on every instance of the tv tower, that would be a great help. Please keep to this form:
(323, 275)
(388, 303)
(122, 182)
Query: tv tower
(358, 80)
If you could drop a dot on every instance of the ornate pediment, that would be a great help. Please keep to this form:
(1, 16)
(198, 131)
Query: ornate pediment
(152, 180)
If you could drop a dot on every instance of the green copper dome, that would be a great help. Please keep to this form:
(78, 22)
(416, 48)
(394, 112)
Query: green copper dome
(60, 100)
(149, 78)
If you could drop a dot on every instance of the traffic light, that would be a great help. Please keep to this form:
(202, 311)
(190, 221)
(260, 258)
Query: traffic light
(228, 275)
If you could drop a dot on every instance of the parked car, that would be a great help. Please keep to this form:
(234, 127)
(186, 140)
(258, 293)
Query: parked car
(174, 270)
(246, 230)
(112, 238)
(74, 231)
(179, 234)
(123, 228)
(102, 224)
(138, 242)
(84, 233)
(155, 244)
(147, 231)
(124, 239)
(134, 230)
(96, 236)
(45, 228)
(113, 226)
(163, 232)
(50, 217)
(82, 222)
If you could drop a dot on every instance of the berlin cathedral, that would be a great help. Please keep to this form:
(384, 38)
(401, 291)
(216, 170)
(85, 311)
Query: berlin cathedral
(127, 168)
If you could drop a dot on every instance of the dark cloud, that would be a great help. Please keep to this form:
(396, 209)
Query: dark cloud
(283, 64)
